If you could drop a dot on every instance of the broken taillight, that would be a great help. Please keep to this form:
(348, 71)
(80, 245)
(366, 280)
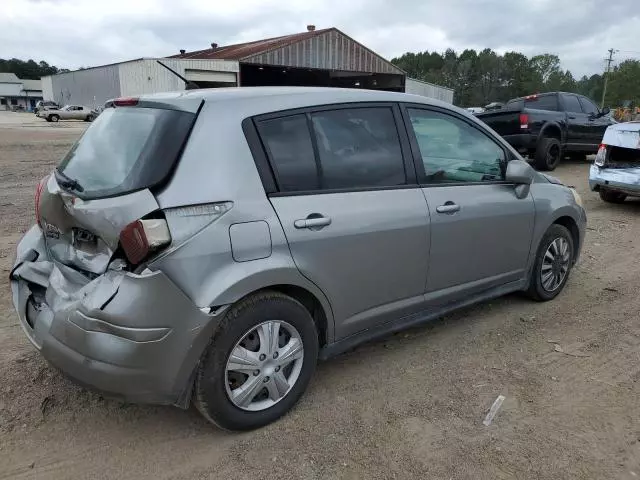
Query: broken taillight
(39, 189)
(140, 238)
(601, 157)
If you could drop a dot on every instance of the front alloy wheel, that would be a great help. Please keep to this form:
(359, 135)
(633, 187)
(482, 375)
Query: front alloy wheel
(264, 365)
(555, 264)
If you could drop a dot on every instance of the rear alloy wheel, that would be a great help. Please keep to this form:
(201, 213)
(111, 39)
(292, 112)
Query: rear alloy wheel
(611, 196)
(548, 154)
(553, 263)
(258, 364)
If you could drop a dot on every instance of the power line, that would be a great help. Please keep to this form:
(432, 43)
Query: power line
(606, 74)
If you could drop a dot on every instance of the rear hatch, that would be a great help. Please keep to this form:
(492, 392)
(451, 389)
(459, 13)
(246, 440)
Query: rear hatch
(620, 146)
(106, 181)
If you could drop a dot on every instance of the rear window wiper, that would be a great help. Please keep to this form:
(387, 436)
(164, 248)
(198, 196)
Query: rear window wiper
(68, 182)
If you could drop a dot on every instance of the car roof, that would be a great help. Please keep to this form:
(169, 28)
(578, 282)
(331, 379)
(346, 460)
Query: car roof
(308, 96)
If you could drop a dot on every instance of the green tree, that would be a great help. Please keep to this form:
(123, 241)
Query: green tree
(29, 70)
(624, 84)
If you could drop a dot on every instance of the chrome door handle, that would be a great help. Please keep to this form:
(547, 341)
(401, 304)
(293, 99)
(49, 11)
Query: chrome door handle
(448, 207)
(312, 223)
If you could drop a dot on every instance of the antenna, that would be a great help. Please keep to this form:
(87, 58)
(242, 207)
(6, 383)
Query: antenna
(188, 84)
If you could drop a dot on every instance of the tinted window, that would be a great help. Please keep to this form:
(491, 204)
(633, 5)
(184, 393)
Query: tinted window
(288, 144)
(571, 104)
(126, 149)
(588, 106)
(358, 147)
(454, 151)
(546, 102)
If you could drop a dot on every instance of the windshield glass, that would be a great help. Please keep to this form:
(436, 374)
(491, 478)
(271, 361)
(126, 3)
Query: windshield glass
(125, 149)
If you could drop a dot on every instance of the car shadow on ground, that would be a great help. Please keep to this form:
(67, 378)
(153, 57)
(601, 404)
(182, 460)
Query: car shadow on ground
(48, 396)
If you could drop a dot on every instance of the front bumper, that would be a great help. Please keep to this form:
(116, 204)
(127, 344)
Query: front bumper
(625, 180)
(137, 337)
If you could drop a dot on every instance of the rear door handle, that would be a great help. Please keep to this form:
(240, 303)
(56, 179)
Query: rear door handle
(572, 118)
(448, 207)
(312, 222)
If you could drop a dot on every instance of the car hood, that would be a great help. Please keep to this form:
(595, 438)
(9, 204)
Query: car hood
(551, 179)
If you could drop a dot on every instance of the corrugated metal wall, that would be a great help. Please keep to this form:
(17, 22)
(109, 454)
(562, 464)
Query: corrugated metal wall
(91, 87)
(47, 88)
(417, 87)
(148, 76)
(329, 51)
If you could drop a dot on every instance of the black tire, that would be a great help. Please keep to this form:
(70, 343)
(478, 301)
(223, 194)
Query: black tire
(548, 154)
(53, 118)
(48, 119)
(210, 392)
(536, 291)
(611, 196)
(89, 118)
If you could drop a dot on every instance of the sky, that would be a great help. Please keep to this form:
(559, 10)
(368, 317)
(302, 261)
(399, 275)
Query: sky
(75, 33)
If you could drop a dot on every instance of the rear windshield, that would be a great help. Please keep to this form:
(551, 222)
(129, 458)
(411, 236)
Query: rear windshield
(125, 149)
(546, 102)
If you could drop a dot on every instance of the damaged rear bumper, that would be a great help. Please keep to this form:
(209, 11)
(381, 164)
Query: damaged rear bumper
(137, 337)
(625, 180)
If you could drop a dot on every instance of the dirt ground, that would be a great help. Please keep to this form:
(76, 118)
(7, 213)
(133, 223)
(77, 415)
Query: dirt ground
(409, 406)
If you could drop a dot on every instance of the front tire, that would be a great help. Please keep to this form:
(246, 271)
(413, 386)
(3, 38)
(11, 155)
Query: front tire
(611, 196)
(553, 263)
(258, 363)
(54, 118)
(548, 154)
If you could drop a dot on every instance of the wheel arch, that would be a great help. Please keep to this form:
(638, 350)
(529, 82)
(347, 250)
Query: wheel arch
(551, 130)
(292, 284)
(570, 224)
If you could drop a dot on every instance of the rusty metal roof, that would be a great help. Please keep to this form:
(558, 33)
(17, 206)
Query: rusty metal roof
(243, 50)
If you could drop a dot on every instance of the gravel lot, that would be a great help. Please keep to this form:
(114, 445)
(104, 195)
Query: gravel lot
(409, 406)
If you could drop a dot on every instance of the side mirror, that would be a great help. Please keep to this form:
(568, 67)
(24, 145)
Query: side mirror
(606, 111)
(521, 174)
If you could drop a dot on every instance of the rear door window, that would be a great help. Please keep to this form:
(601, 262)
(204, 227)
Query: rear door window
(358, 147)
(347, 148)
(124, 150)
(288, 144)
(571, 104)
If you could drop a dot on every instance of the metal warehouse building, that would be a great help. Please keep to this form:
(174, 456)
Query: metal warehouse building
(325, 57)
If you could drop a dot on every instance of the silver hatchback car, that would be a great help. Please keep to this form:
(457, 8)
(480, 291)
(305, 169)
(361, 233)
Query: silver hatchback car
(210, 246)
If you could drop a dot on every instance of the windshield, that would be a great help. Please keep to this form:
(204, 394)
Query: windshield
(125, 149)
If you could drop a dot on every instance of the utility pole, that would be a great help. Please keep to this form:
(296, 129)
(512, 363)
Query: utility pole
(606, 75)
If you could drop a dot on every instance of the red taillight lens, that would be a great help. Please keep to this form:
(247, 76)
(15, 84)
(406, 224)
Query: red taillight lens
(141, 237)
(125, 102)
(524, 120)
(601, 156)
(39, 188)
